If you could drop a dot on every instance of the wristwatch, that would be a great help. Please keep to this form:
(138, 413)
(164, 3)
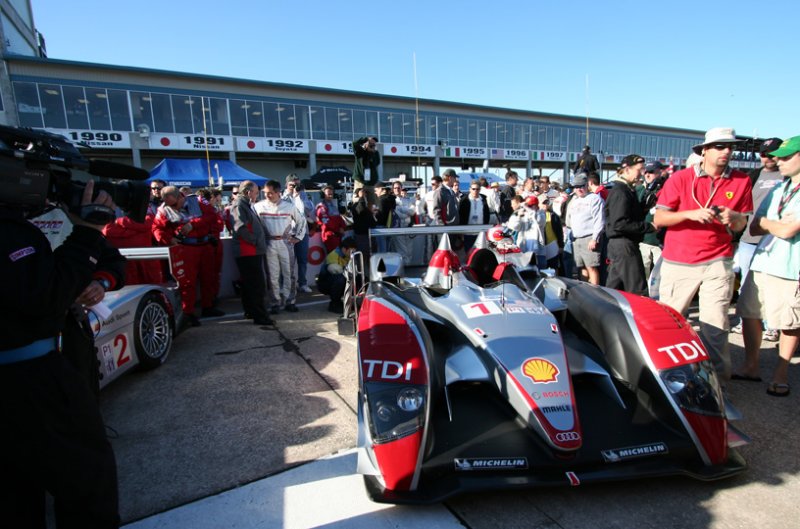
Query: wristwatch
(105, 283)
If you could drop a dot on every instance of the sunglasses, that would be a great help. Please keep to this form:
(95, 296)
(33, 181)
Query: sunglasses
(474, 188)
(234, 193)
(156, 188)
(721, 146)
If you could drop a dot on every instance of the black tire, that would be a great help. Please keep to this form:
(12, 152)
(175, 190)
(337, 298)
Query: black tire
(152, 331)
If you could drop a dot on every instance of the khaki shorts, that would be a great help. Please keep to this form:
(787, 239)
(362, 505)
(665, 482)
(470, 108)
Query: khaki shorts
(770, 298)
(583, 255)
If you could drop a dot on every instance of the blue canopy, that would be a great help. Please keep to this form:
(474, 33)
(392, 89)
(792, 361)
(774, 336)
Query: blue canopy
(194, 172)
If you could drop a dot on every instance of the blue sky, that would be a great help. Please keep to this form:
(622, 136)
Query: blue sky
(692, 65)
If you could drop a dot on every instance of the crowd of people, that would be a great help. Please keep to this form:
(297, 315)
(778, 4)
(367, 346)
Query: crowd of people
(703, 224)
(708, 225)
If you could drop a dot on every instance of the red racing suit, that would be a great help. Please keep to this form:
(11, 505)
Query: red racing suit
(127, 233)
(192, 255)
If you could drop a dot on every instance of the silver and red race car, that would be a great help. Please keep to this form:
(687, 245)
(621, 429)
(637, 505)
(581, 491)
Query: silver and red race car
(142, 323)
(493, 375)
(138, 332)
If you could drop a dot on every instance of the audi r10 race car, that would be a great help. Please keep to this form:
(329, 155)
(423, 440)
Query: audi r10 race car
(496, 375)
(142, 319)
(139, 330)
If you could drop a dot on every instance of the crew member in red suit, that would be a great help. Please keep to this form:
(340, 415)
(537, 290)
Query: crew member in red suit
(127, 233)
(187, 224)
(331, 223)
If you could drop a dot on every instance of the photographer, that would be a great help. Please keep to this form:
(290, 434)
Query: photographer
(365, 168)
(647, 193)
(54, 438)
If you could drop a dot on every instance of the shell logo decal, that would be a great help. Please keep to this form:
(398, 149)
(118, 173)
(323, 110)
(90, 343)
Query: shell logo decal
(540, 370)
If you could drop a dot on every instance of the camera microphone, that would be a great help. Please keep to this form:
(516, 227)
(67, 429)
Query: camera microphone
(117, 171)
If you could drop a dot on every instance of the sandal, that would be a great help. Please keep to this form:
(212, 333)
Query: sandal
(778, 390)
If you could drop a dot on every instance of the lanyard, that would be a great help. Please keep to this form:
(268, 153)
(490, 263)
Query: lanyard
(713, 190)
(786, 198)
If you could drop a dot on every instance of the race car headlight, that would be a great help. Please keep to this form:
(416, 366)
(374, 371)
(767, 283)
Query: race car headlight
(395, 411)
(694, 387)
(409, 399)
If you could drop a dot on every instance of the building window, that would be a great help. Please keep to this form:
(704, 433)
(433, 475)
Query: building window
(182, 113)
(162, 113)
(331, 123)
(287, 119)
(219, 116)
(255, 118)
(372, 124)
(201, 108)
(142, 109)
(317, 123)
(301, 123)
(239, 110)
(97, 102)
(118, 108)
(75, 104)
(359, 124)
(272, 127)
(52, 106)
(345, 116)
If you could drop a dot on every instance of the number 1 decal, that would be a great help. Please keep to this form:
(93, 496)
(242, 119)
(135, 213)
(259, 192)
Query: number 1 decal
(484, 308)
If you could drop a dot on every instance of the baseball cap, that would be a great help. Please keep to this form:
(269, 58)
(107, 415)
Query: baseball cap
(630, 160)
(653, 167)
(769, 145)
(579, 180)
(788, 147)
(532, 201)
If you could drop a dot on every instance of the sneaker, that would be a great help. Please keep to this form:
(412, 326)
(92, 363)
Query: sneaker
(771, 335)
(737, 329)
(275, 310)
(291, 307)
(304, 288)
(211, 312)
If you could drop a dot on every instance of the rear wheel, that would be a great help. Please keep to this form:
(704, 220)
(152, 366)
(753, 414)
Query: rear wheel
(152, 331)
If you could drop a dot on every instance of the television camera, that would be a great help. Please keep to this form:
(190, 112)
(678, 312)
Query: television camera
(36, 168)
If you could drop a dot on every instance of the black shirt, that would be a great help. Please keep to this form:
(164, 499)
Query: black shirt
(40, 284)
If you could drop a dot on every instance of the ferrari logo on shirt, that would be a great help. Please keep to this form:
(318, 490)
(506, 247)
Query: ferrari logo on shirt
(729, 194)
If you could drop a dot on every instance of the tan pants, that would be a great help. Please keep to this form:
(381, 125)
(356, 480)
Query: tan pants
(714, 280)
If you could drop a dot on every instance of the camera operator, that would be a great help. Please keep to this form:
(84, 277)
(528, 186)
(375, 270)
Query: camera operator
(54, 439)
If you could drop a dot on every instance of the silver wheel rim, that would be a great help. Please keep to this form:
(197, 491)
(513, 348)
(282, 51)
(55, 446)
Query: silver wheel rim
(154, 331)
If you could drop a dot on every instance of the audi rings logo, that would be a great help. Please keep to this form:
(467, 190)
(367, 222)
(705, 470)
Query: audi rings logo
(568, 436)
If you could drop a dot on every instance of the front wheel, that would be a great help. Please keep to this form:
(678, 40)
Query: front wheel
(152, 331)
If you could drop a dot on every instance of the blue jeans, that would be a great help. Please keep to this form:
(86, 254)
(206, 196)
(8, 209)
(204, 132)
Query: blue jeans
(301, 254)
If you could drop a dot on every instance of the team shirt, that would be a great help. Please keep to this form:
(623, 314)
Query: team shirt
(692, 242)
(776, 256)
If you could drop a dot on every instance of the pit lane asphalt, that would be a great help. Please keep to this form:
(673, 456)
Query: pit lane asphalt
(236, 403)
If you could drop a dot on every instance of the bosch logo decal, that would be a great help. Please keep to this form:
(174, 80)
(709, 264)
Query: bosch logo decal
(568, 436)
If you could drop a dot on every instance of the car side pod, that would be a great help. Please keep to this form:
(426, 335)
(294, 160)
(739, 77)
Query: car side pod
(394, 376)
(676, 356)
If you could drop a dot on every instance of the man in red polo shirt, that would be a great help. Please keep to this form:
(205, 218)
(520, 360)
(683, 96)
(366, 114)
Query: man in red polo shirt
(701, 207)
